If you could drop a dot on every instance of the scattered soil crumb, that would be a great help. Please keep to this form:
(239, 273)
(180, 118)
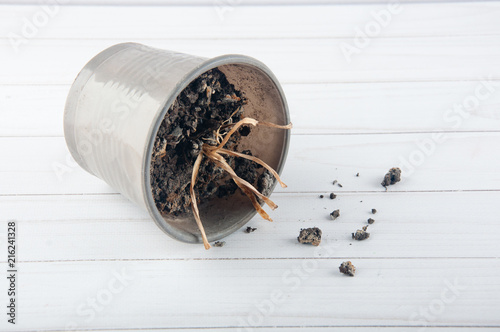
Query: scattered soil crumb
(333, 196)
(338, 184)
(335, 214)
(310, 235)
(374, 211)
(250, 229)
(365, 227)
(371, 221)
(357, 174)
(321, 196)
(392, 177)
(360, 235)
(334, 182)
(219, 243)
(347, 268)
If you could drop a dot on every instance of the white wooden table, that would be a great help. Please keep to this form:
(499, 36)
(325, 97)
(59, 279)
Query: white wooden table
(422, 92)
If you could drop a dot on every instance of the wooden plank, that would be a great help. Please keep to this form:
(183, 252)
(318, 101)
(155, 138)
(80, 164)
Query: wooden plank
(196, 294)
(292, 60)
(408, 225)
(32, 110)
(212, 3)
(464, 161)
(297, 328)
(233, 19)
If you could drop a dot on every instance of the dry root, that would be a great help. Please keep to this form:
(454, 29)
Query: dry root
(214, 154)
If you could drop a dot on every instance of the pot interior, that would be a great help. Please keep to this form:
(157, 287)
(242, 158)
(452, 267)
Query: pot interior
(222, 216)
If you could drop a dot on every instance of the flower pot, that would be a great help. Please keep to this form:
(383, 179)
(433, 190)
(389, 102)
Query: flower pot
(115, 107)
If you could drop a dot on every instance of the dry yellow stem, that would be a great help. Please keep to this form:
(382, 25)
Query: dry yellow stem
(218, 135)
(213, 153)
(217, 158)
(254, 159)
(245, 190)
(196, 212)
(233, 130)
(255, 203)
(250, 195)
(272, 125)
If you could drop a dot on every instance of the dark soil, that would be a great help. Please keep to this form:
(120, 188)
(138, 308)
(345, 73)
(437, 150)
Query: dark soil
(265, 181)
(374, 211)
(321, 196)
(360, 235)
(191, 121)
(335, 214)
(392, 177)
(310, 235)
(371, 221)
(333, 196)
(219, 243)
(347, 268)
(250, 229)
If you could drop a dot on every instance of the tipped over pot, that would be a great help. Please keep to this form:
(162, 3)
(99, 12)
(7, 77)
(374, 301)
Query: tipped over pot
(138, 118)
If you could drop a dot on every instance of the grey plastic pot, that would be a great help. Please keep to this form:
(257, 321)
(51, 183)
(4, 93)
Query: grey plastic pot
(115, 107)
